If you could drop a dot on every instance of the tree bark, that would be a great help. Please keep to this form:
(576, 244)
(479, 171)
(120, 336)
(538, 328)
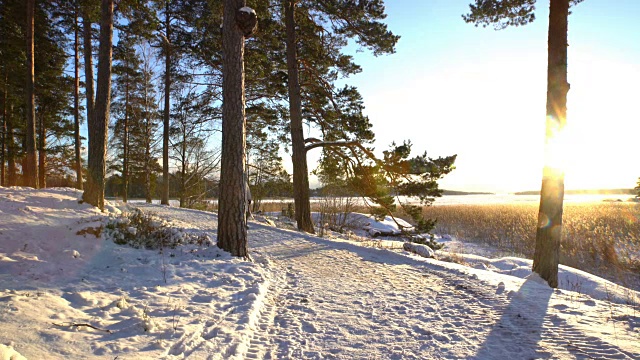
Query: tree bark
(88, 69)
(147, 173)
(4, 129)
(549, 231)
(125, 143)
(42, 156)
(167, 108)
(30, 170)
(98, 128)
(232, 223)
(76, 105)
(11, 149)
(300, 170)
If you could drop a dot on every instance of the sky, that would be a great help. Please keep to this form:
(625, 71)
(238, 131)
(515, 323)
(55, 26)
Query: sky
(452, 88)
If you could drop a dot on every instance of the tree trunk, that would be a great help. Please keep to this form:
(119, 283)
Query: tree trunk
(98, 128)
(232, 223)
(183, 170)
(167, 109)
(148, 133)
(88, 69)
(300, 170)
(42, 156)
(125, 144)
(4, 129)
(147, 159)
(549, 231)
(76, 105)
(12, 178)
(30, 169)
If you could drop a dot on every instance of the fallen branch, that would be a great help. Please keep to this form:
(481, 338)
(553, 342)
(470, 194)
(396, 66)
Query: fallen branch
(82, 324)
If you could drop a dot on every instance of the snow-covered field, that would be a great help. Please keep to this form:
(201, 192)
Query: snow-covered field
(67, 294)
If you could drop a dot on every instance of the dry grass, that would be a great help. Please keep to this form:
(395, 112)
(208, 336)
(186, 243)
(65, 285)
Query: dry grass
(597, 237)
(602, 238)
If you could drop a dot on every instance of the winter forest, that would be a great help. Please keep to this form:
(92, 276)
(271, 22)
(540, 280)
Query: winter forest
(156, 201)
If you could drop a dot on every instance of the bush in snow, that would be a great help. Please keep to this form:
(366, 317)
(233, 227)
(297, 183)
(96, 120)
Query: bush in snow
(429, 241)
(141, 230)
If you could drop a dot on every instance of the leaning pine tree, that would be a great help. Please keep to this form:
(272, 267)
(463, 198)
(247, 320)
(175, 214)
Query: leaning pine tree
(504, 13)
(316, 33)
(239, 22)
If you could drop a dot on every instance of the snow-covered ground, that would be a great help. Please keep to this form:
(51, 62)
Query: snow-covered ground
(67, 294)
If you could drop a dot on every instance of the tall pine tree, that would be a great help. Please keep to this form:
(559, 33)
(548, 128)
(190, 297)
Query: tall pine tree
(98, 121)
(316, 32)
(504, 13)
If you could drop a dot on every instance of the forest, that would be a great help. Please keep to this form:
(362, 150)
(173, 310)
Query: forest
(199, 99)
(138, 135)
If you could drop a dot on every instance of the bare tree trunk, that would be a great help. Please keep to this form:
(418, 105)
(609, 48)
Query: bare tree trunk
(167, 108)
(300, 170)
(549, 231)
(98, 128)
(4, 128)
(30, 169)
(147, 173)
(232, 223)
(88, 66)
(42, 156)
(76, 105)
(12, 178)
(148, 133)
(183, 171)
(125, 144)
(88, 71)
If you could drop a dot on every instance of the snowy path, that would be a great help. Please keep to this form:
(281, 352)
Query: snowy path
(337, 300)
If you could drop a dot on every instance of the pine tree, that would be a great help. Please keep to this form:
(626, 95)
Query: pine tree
(31, 162)
(238, 23)
(167, 102)
(12, 60)
(3, 129)
(54, 90)
(51, 89)
(98, 122)
(503, 13)
(145, 138)
(126, 105)
(76, 98)
(316, 31)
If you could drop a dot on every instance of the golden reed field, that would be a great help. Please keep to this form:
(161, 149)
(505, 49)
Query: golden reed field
(598, 237)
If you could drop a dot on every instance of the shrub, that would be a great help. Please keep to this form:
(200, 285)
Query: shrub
(143, 230)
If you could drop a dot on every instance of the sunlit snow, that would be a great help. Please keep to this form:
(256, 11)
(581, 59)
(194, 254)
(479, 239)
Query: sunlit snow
(67, 294)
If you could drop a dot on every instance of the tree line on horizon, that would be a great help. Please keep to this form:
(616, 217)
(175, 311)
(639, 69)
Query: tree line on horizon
(182, 74)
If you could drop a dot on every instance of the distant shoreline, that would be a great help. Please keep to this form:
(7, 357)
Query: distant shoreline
(454, 192)
(586, 192)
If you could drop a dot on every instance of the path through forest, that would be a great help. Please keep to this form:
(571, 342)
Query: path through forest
(338, 300)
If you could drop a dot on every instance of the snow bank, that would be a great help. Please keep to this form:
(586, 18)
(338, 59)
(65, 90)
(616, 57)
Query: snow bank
(8, 353)
(84, 296)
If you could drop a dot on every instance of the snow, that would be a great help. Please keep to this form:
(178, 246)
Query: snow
(66, 293)
(247, 10)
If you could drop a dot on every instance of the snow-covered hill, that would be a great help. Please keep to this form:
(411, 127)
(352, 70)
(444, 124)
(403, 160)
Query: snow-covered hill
(67, 294)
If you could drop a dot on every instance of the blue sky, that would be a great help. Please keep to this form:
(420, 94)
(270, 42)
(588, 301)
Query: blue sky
(452, 88)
